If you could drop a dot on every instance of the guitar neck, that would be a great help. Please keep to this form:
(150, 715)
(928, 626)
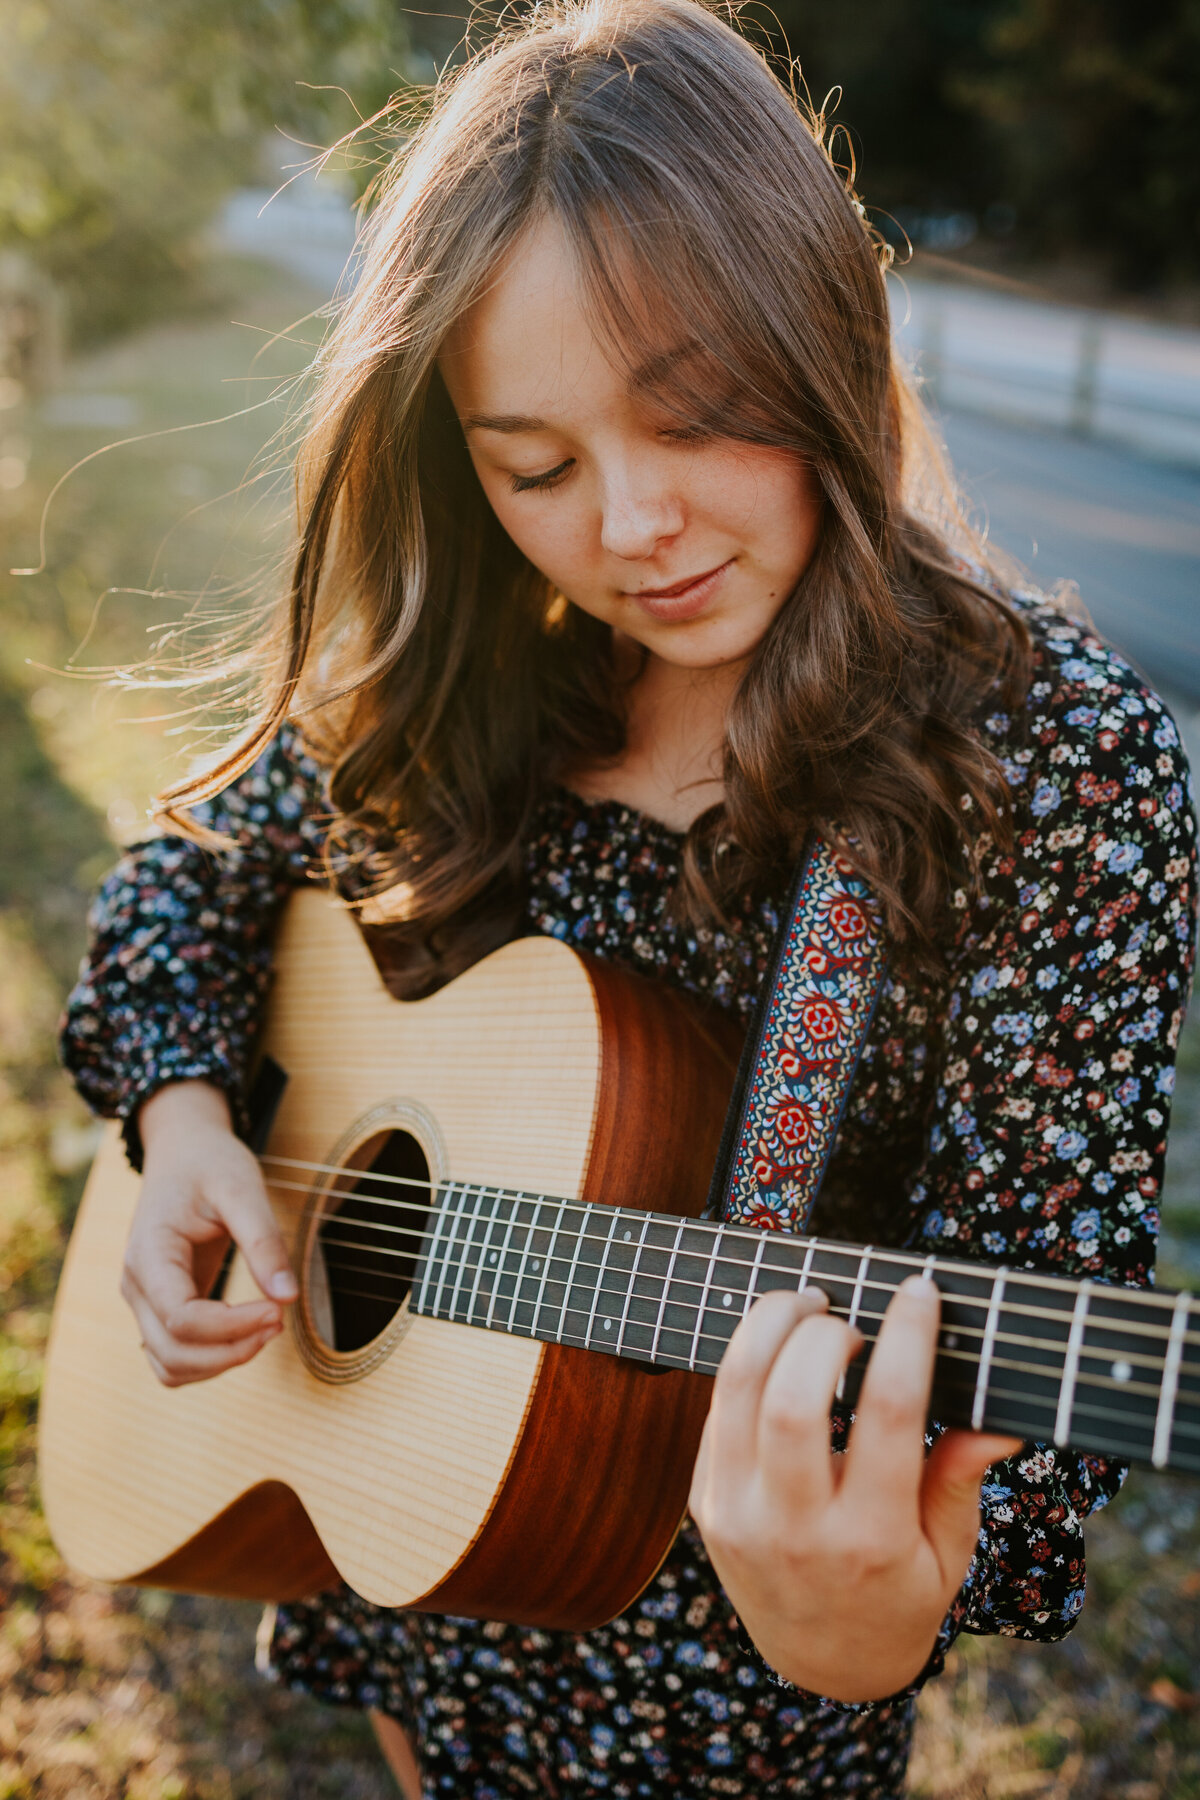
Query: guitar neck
(1112, 1371)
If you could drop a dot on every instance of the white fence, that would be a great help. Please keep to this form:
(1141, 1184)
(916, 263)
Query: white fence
(1098, 375)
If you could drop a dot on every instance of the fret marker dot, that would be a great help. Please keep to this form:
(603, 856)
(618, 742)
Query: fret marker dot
(493, 1256)
(628, 1235)
(726, 1299)
(608, 1324)
(952, 1340)
(1122, 1371)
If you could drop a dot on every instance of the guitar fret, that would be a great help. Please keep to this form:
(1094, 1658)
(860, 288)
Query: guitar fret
(662, 1304)
(574, 1263)
(985, 1356)
(448, 1208)
(752, 1278)
(546, 1259)
(522, 1272)
(1070, 1375)
(452, 1246)
(469, 1221)
(719, 1238)
(859, 1280)
(806, 1266)
(633, 1273)
(483, 1250)
(600, 1273)
(1165, 1419)
(439, 1221)
(852, 1316)
(500, 1261)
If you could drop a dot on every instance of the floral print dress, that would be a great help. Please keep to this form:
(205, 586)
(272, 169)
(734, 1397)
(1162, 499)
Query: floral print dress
(1013, 1110)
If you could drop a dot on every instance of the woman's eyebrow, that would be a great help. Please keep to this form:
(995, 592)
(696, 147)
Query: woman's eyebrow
(509, 422)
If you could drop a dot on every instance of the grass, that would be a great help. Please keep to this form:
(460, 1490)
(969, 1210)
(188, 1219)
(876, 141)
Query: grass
(118, 1693)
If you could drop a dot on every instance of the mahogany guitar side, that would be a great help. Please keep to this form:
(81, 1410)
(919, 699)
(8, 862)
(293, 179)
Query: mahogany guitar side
(463, 1471)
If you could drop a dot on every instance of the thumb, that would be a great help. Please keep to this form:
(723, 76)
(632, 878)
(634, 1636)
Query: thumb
(954, 1473)
(246, 1214)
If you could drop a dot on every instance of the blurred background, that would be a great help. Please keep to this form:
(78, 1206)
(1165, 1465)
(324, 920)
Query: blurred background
(157, 306)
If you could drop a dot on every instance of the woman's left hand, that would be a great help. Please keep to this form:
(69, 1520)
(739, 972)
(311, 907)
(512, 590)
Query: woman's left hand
(841, 1568)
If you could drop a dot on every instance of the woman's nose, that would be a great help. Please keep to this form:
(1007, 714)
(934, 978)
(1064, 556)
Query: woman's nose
(639, 515)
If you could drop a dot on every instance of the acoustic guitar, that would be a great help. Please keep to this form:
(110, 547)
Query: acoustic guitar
(492, 1390)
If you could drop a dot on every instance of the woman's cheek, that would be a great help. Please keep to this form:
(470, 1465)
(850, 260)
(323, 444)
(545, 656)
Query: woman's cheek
(554, 535)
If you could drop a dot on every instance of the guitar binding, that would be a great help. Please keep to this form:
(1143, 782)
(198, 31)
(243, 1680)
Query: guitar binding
(357, 1241)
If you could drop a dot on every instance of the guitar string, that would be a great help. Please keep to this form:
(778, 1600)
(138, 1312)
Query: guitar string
(1109, 1415)
(996, 1395)
(555, 1255)
(748, 1235)
(683, 1281)
(1030, 1341)
(952, 1329)
(1085, 1379)
(960, 1328)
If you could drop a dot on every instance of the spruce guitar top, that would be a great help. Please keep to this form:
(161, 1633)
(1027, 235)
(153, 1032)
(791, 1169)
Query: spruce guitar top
(493, 1389)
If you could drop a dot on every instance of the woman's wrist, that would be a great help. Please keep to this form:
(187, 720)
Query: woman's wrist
(875, 1672)
(182, 1105)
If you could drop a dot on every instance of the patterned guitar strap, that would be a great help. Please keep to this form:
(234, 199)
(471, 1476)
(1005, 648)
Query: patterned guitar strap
(811, 1021)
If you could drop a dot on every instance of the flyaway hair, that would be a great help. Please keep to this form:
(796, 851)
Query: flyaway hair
(730, 271)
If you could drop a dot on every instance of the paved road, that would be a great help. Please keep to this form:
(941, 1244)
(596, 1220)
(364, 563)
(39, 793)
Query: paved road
(1125, 529)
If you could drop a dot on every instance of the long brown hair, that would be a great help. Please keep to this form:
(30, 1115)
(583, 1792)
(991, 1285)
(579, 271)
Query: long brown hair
(444, 680)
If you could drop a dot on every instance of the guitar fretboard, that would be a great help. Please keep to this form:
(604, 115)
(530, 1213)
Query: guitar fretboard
(1109, 1370)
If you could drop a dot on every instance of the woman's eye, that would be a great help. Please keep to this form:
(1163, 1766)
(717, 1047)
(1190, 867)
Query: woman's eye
(524, 484)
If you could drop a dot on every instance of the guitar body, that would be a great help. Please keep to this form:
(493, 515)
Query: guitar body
(435, 1466)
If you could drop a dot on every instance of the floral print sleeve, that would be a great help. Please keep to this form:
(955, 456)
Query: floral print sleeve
(181, 942)
(1047, 1139)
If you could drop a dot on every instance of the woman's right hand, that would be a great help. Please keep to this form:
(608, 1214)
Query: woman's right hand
(201, 1188)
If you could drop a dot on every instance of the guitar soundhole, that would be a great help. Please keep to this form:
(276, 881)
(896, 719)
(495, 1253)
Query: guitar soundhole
(368, 1241)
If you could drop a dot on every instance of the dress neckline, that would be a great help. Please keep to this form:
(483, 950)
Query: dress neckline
(644, 822)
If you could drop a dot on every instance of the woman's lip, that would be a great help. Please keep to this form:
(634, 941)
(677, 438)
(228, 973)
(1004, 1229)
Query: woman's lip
(684, 599)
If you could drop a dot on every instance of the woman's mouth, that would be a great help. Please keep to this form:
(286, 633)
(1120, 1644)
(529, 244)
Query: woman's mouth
(684, 599)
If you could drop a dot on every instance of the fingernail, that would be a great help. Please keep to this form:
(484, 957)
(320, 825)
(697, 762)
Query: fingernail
(282, 1286)
(919, 1287)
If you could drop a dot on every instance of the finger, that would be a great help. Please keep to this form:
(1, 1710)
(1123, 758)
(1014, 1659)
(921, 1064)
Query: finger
(744, 1369)
(175, 1364)
(793, 1419)
(950, 1495)
(887, 1444)
(170, 1298)
(698, 1493)
(245, 1211)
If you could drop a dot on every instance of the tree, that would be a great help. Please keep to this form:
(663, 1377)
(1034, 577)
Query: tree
(1094, 109)
(122, 126)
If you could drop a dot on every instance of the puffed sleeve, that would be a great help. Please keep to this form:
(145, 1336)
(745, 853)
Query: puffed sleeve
(1047, 1140)
(179, 955)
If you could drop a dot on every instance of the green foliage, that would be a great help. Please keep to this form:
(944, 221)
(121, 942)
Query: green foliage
(1092, 108)
(1075, 119)
(122, 126)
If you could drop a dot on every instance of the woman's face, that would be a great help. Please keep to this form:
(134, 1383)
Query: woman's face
(689, 544)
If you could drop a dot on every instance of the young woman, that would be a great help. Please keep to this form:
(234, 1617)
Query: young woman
(625, 560)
